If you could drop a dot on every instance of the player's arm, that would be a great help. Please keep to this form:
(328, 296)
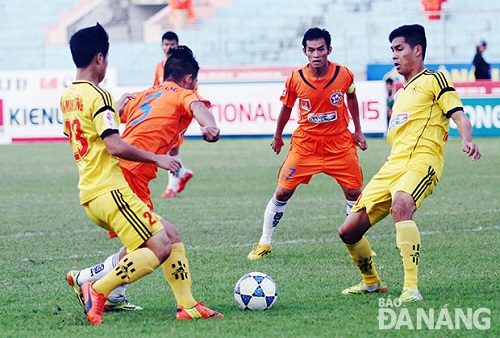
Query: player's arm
(206, 120)
(353, 105)
(283, 119)
(465, 130)
(119, 148)
(122, 102)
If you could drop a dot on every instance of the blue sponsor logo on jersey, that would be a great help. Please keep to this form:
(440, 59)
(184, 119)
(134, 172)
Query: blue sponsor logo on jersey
(398, 119)
(336, 98)
(322, 117)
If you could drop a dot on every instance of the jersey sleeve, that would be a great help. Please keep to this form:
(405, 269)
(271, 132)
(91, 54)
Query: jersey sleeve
(446, 95)
(159, 73)
(289, 94)
(352, 87)
(190, 97)
(105, 119)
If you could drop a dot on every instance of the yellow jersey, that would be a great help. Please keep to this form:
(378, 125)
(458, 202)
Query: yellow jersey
(420, 122)
(89, 116)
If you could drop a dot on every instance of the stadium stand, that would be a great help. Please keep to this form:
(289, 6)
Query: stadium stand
(239, 32)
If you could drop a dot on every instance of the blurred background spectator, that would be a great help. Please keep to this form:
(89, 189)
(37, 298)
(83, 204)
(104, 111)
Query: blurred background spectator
(481, 67)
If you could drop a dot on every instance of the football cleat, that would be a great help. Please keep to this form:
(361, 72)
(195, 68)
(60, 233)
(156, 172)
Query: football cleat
(362, 289)
(169, 193)
(197, 311)
(94, 303)
(410, 295)
(259, 250)
(183, 180)
(71, 277)
(123, 305)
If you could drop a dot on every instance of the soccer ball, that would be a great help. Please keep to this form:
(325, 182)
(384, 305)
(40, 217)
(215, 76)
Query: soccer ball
(255, 291)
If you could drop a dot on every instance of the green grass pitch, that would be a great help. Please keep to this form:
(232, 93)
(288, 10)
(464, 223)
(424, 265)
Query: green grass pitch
(44, 233)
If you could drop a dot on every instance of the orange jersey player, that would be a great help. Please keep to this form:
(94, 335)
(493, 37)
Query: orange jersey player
(322, 142)
(177, 181)
(168, 40)
(156, 119)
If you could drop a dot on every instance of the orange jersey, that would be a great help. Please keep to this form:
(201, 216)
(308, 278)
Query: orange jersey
(155, 120)
(159, 72)
(323, 110)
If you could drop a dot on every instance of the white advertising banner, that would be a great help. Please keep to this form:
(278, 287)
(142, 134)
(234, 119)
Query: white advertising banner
(29, 106)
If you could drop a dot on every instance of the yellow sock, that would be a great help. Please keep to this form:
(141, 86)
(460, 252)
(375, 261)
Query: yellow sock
(176, 270)
(361, 254)
(130, 268)
(408, 243)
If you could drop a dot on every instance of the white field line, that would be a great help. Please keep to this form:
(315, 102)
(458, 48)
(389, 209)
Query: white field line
(289, 242)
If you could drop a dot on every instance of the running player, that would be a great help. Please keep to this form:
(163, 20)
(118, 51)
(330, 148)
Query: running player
(322, 143)
(176, 181)
(418, 131)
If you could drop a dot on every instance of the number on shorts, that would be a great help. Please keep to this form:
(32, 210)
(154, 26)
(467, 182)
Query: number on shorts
(287, 172)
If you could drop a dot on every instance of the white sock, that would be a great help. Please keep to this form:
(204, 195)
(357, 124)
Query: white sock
(348, 206)
(274, 212)
(118, 294)
(173, 181)
(98, 271)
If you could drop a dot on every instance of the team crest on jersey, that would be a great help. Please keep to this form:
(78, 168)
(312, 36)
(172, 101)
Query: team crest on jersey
(398, 119)
(335, 98)
(109, 120)
(305, 104)
(322, 117)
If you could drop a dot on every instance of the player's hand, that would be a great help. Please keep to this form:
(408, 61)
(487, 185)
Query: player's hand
(360, 140)
(122, 102)
(168, 163)
(472, 150)
(210, 133)
(277, 144)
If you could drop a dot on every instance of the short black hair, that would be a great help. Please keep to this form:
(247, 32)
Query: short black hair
(170, 36)
(180, 62)
(413, 35)
(316, 33)
(87, 43)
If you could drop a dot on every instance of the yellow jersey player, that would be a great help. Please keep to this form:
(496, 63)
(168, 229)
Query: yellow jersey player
(418, 132)
(91, 123)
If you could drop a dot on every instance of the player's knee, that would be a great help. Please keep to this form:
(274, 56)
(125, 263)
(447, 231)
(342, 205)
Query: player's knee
(160, 245)
(283, 195)
(347, 234)
(403, 207)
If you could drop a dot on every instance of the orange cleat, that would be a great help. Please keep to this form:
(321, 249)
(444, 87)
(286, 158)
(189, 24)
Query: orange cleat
(169, 193)
(94, 303)
(184, 180)
(197, 311)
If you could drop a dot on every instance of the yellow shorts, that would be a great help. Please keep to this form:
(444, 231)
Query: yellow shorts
(334, 156)
(416, 178)
(123, 213)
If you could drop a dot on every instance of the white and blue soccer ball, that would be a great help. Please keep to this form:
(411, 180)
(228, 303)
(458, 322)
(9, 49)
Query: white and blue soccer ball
(255, 291)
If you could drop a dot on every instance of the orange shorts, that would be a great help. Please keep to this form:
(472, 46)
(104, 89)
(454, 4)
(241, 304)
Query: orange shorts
(335, 156)
(179, 142)
(139, 186)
